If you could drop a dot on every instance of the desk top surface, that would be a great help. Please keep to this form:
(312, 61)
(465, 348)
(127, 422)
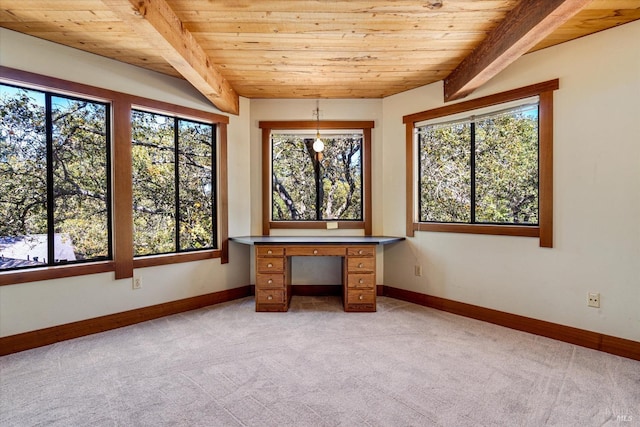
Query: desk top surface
(316, 240)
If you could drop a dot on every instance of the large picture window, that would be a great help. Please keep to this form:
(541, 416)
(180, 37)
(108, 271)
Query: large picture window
(481, 169)
(311, 186)
(54, 179)
(305, 189)
(484, 166)
(174, 187)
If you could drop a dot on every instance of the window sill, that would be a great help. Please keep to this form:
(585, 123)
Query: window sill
(321, 225)
(14, 277)
(499, 230)
(174, 258)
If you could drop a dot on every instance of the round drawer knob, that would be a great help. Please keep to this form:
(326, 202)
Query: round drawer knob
(361, 297)
(270, 281)
(361, 281)
(360, 252)
(270, 297)
(269, 265)
(360, 265)
(269, 251)
(315, 252)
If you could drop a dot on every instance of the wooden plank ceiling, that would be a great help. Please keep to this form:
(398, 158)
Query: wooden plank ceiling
(302, 48)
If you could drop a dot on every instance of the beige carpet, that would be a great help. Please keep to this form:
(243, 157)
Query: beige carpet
(405, 365)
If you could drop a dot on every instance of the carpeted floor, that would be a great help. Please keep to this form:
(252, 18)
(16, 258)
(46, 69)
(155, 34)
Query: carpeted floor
(405, 365)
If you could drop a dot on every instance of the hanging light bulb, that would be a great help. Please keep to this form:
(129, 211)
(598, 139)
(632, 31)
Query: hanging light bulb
(318, 145)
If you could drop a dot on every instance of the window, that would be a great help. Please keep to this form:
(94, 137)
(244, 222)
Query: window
(483, 166)
(482, 169)
(64, 146)
(174, 186)
(54, 179)
(304, 189)
(310, 186)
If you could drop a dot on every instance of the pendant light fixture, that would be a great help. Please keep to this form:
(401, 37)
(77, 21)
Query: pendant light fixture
(318, 145)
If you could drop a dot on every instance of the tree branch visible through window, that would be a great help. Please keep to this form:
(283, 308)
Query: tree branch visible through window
(303, 189)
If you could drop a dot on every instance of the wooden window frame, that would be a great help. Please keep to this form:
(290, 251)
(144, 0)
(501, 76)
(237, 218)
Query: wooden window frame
(544, 229)
(152, 106)
(123, 262)
(49, 141)
(267, 126)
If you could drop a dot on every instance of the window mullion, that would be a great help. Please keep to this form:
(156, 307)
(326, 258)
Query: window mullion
(214, 185)
(472, 160)
(109, 194)
(316, 167)
(418, 190)
(50, 199)
(176, 169)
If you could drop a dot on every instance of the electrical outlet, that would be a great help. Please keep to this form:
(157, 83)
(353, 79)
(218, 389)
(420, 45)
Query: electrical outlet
(593, 299)
(417, 270)
(137, 283)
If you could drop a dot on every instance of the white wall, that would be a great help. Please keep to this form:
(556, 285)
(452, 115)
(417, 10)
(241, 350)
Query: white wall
(30, 306)
(596, 197)
(596, 203)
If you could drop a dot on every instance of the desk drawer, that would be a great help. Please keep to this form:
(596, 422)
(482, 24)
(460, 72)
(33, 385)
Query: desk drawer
(266, 251)
(270, 265)
(365, 280)
(361, 296)
(364, 251)
(316, 250)
(361, 265)
(270, 280)
(270, 296)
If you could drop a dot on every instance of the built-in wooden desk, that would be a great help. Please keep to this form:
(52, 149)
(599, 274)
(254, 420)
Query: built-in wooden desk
(273, 267)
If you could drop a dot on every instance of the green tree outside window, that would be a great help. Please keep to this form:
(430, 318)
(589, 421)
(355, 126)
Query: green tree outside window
(173, 184)
(310, 186)
(481, 170)
(54, 179)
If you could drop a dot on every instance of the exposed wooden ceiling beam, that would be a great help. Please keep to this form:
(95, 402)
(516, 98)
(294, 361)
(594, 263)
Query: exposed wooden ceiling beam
(524, 27)
(155, 22)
